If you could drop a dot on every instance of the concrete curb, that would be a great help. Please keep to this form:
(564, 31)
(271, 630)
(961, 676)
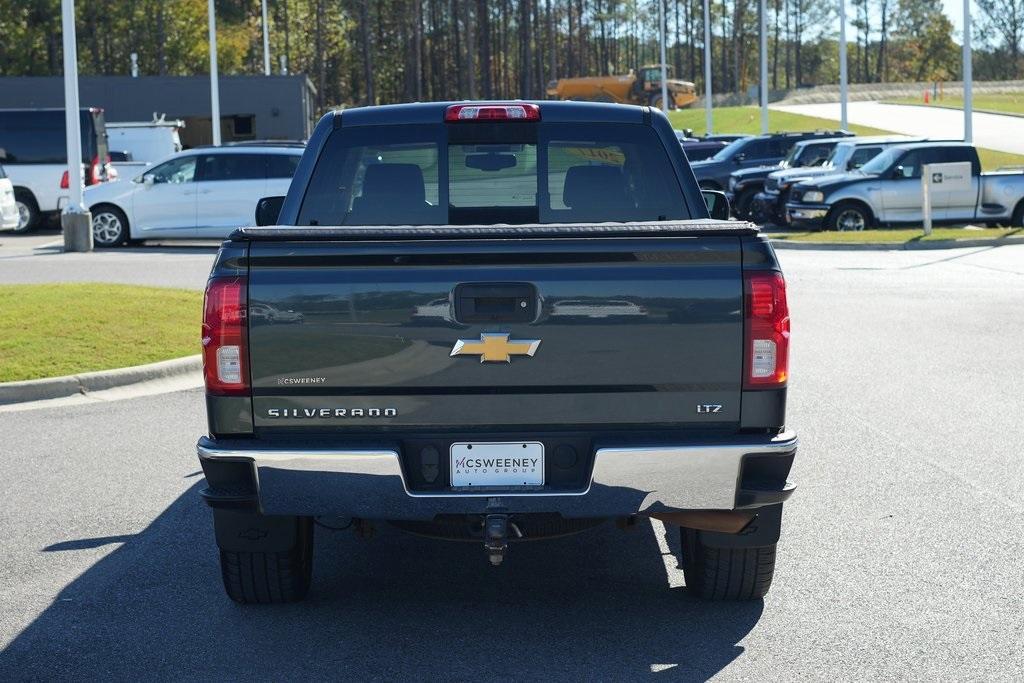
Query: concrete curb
(902, 246)
(69, 385)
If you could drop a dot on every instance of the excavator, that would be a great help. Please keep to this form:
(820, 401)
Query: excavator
(632, 88)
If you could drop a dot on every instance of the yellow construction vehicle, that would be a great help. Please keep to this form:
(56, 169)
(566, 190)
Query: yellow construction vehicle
(632, 88)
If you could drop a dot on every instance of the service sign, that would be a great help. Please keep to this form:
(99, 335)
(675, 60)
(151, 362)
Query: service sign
(952, 177)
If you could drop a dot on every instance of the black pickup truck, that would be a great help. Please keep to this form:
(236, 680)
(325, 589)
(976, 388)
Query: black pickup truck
(495, 322)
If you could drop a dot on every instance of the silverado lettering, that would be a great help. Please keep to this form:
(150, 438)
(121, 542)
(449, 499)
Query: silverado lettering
(331, 412)
(413, 236)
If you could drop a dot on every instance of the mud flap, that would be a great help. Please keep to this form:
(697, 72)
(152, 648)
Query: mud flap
(247, 532)
(764, 530)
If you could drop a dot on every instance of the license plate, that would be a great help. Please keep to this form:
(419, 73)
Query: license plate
(519, 463)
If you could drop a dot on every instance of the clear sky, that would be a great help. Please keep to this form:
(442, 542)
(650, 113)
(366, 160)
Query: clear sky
(954, 9)
(955, 12)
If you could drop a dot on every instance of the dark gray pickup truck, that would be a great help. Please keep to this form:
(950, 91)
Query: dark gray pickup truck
(495, 322)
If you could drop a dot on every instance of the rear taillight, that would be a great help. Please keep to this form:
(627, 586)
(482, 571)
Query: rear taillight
(766, 338)
(91, 175)
(95, 172)
(492, 112)
(225, 352)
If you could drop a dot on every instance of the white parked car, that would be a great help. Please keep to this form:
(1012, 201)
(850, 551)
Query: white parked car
(202, 193)
(9, 215)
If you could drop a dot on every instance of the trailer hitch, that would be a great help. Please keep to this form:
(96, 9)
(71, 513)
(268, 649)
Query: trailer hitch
(496, 537)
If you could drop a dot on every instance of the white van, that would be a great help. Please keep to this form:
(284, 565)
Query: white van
(202, 193)
(145, 141)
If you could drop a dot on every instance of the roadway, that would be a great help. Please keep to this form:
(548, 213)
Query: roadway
(38, 257)
(900, 555)
(992, 131)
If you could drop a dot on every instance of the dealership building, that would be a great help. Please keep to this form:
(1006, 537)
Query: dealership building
(251, 107)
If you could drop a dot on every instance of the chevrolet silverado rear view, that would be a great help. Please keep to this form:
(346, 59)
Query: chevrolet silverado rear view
(495, 322)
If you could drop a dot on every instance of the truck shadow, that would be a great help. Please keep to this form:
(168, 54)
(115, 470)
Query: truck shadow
(595, 605)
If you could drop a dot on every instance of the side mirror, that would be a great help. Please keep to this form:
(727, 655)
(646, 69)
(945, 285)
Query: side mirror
(717, 203)
(268, 210)
(740, 158)
(897, 172)
(148, 179)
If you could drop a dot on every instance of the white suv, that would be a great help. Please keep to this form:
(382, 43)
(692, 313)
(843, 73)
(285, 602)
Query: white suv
(202, 193)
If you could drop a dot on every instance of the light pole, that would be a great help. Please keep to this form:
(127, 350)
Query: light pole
(266, 41)
(842, 64)
(968, 75)
(214, 89)
(76, 222)
(707, 67)
(764, 68)
(664, 67)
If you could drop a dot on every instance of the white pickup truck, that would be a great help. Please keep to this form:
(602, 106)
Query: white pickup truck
(887, 190)
(33, 150)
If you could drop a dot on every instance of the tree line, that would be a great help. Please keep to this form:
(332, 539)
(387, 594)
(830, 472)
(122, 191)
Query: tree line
(380, 51)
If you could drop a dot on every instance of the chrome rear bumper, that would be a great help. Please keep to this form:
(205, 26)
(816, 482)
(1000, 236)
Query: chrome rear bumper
(369, 483)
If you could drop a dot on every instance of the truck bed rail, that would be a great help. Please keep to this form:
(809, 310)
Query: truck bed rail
(687, 228)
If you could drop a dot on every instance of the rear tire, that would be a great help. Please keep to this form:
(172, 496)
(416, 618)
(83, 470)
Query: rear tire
(28, 212)
(726, 573)
(655, 102)
(271, 578)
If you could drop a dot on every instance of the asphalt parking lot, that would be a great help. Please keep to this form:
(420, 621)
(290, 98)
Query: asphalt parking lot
(900, 557)
(38, 257)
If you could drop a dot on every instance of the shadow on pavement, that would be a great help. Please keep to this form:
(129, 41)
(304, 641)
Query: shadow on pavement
(596, 605)
(85, 543)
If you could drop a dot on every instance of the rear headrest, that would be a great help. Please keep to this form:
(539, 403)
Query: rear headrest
(589, 186)
(388, 182)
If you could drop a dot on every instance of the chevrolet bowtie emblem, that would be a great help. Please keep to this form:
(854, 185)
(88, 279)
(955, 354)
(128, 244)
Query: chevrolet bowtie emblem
(495, 347)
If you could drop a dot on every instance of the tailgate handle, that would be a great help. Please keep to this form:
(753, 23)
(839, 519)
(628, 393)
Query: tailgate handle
(514, 302)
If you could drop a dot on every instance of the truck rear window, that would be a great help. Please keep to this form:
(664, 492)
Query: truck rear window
(555, 173)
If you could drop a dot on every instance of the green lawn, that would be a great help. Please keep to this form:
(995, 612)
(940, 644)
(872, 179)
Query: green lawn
(748, 120)
(63, 329)
(1010, 103)
(899, 236)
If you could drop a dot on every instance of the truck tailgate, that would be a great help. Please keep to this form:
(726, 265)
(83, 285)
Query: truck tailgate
(624, 331)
